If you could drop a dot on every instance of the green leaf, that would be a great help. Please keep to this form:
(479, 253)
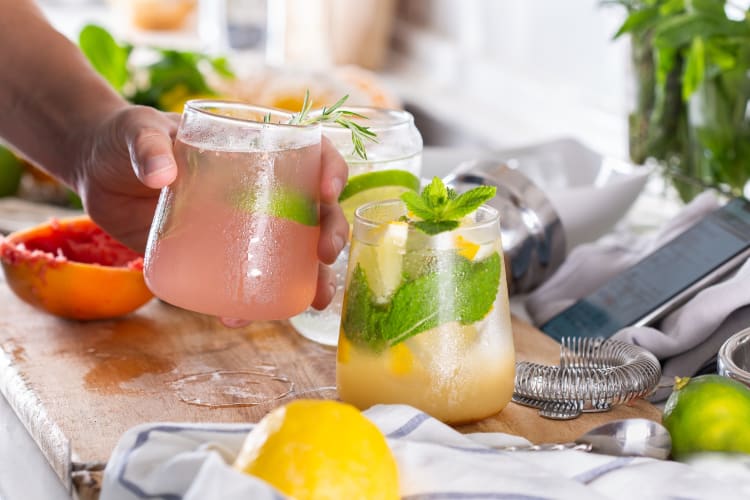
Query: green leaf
(638, 21)
(416, 205)
(466, 203)
(422, 302)
(433, 227)
(708, 7)
(107, 57)
(441, 207)
(221, 66)
(680, 30)
(695, 68)
(435, 195)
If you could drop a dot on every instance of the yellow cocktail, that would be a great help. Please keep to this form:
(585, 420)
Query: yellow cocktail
(426, 320)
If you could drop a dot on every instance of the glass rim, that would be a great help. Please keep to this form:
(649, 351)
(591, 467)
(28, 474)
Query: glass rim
(196, 105)
(726, 357)
(403, 118)
(361, 219)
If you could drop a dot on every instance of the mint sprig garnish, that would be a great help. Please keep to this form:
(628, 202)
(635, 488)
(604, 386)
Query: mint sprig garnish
(440, 208)
(342, 117)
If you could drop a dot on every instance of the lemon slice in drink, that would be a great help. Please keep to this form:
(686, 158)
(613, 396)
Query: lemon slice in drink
(382, 263)
(374, 186)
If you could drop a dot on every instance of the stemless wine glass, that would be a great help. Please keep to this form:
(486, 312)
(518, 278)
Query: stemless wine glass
(426, 320)
(236, 233)
(393, 165)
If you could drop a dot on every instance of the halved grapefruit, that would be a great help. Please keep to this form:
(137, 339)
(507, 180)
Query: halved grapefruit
(72, 268)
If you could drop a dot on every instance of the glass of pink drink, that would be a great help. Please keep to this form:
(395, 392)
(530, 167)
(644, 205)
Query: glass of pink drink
(236, 234)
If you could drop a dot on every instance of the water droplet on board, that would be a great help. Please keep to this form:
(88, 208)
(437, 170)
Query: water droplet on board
(228, 389)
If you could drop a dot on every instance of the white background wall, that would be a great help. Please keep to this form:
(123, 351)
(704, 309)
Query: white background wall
(550, 62)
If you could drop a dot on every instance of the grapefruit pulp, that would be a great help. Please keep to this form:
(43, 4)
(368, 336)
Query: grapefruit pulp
(72, 268)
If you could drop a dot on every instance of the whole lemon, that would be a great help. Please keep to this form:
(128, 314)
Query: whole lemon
(708, 413)
(313, 449)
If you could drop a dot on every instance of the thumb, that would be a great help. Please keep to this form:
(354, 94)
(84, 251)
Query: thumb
(149, 138)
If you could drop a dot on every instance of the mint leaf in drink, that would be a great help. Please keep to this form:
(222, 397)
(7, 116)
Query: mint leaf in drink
(416, 305)
(432, 227)
(440, 208)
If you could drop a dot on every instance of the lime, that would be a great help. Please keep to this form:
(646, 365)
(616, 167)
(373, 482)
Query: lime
(374, 186)
(313, 449)
(11, 168)
(282, 203)
(708, 413)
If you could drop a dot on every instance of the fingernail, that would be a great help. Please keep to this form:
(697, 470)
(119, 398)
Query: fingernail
(336, 186)
(331, 289)
(338, 242)
(234, 322)
(157, 164)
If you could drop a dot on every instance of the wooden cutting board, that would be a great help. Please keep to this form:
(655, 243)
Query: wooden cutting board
(78, 386)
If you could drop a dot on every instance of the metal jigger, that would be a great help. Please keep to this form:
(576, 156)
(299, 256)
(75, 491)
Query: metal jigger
(532, 233)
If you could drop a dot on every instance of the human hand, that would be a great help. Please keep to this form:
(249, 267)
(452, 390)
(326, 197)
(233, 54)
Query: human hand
(128, 158)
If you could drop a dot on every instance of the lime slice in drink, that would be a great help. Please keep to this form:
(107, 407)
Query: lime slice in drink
(282, 203)
(375, 186)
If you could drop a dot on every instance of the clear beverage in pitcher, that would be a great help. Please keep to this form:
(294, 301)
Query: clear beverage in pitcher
(236, 234)
(393, 165)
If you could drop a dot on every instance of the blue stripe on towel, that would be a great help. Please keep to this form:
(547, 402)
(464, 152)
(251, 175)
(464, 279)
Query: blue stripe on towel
(142, 438)
(595, 473)
(464, 495)
(409, 426)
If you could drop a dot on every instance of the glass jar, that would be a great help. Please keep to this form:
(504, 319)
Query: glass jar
(426, 320)
(393, 165)
(236, 234)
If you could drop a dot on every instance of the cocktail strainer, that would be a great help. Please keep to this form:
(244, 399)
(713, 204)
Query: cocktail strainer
(594, 375)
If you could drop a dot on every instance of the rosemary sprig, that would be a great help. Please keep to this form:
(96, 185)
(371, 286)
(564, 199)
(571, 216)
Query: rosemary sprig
(342, 117)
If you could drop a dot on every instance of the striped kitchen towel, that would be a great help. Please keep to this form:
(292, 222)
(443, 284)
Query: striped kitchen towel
(190, 462)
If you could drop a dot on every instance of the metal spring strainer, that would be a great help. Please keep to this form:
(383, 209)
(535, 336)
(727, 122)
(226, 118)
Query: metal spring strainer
(594, 375)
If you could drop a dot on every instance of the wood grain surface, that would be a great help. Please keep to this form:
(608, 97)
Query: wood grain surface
(78, 386)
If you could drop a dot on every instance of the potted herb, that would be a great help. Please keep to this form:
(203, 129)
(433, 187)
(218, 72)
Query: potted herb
(692, 64)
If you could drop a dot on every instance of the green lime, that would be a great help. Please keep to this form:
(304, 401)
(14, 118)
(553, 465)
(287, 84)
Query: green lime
(375, 186)
(381, 178)
(282, 203)
(708, 413)
(11, 169)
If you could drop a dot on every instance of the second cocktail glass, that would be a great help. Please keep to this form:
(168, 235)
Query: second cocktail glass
(426, 320)
(236, 234)
(393, 165)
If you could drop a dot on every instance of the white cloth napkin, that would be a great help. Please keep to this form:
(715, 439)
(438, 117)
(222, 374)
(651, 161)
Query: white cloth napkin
(189, 462)
(684, 340)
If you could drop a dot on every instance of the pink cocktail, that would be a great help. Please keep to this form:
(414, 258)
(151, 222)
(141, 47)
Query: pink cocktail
(236, 234)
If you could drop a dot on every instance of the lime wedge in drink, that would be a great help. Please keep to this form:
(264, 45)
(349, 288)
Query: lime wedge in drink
(375, 186)
(282, 203)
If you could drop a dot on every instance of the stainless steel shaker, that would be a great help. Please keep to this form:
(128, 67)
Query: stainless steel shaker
(532, 233)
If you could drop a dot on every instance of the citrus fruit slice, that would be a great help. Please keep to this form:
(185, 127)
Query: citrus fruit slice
(72, 268)
(382, 263)
(282, 203)
(708, 413)
(310, 449)
(375, 186)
